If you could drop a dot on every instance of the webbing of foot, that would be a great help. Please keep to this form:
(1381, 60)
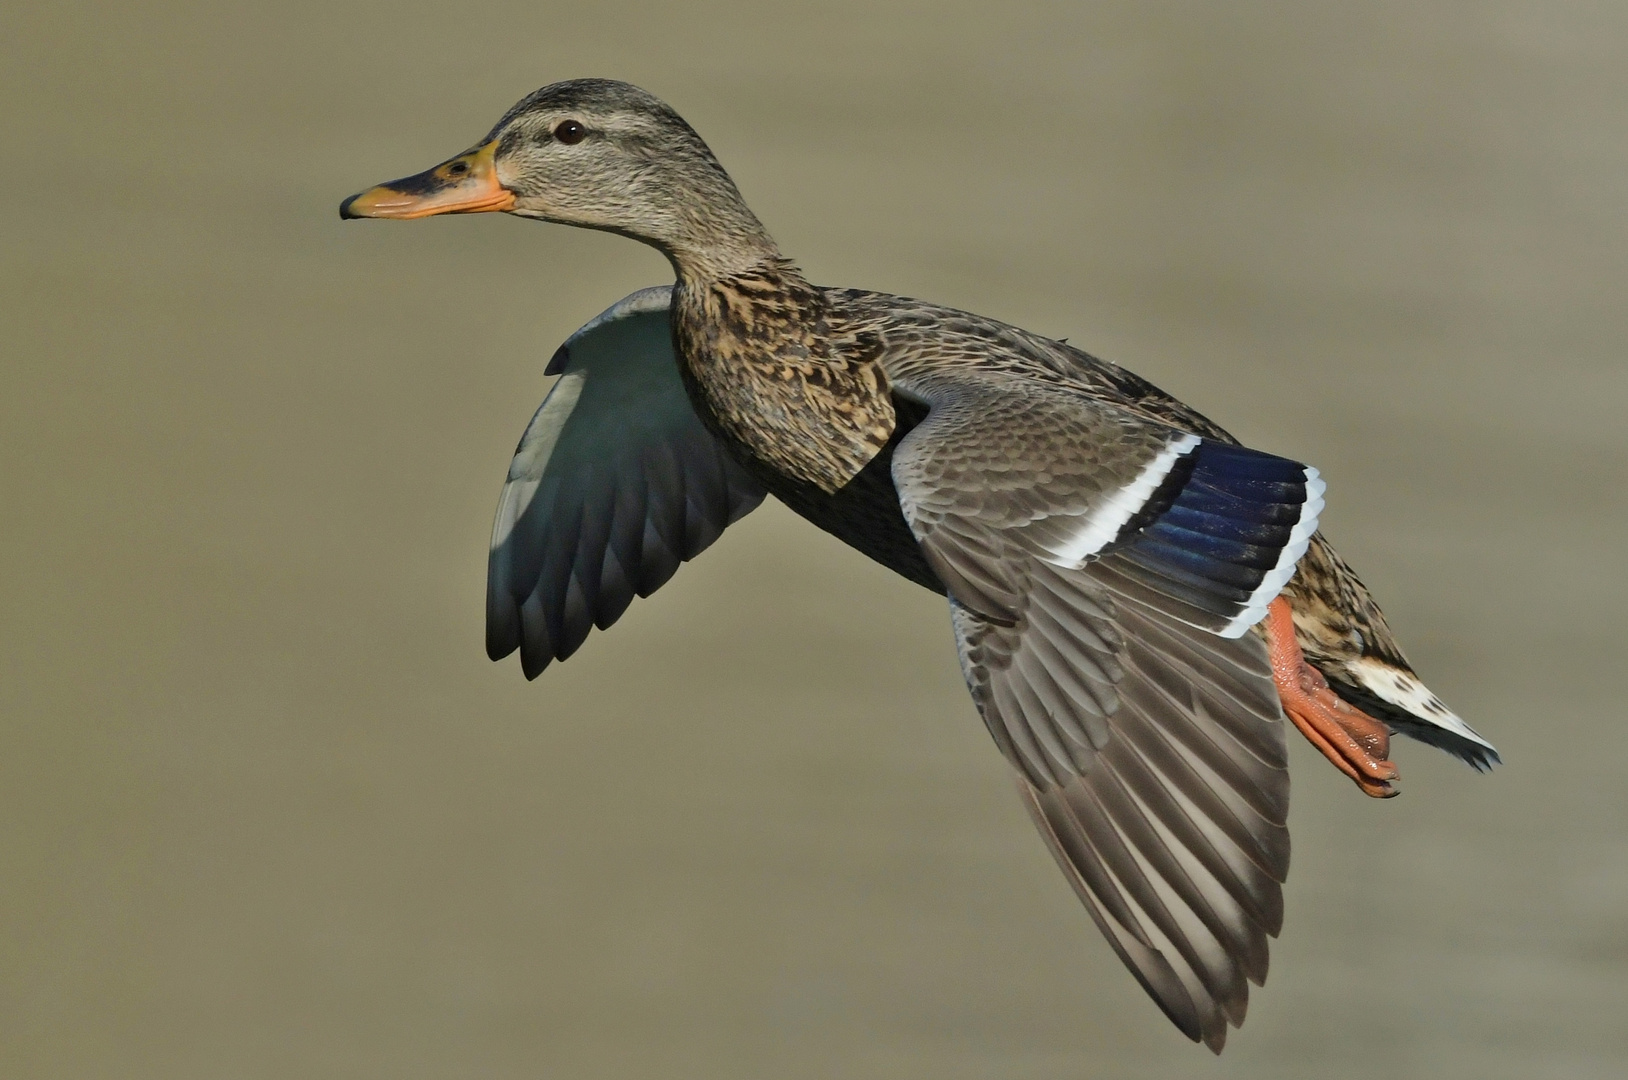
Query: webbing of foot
(1356, 743)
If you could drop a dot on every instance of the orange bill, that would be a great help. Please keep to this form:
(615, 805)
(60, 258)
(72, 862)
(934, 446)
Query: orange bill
(467, 184)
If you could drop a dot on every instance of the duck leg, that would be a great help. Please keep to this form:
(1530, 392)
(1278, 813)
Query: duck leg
(1355, 742)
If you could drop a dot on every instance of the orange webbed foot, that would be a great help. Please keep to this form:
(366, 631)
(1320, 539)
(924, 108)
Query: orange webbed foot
(1355, 742)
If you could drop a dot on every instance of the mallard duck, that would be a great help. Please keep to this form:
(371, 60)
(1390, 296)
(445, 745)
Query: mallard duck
(1137, 599)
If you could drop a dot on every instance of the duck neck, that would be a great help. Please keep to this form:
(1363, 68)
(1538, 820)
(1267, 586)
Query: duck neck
(772, 374)
(716, 250)
(706, 230)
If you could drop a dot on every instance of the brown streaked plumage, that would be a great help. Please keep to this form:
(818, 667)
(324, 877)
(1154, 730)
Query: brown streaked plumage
(782, 390)
(1109, 554)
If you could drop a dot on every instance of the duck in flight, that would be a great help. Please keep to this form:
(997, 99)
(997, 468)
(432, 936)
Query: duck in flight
(1137, 599)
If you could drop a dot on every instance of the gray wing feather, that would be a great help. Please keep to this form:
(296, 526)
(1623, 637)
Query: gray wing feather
(1151, 752)
(614, 484)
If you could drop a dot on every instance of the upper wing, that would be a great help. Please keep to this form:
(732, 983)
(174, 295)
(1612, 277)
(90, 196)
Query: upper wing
(1006, 466)
(1104, 571)
(614, 483)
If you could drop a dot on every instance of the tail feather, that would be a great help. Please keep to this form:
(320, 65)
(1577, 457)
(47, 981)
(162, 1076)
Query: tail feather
(1396, 696)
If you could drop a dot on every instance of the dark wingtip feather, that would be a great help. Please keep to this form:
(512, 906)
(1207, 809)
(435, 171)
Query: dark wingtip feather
(535, 656)
(503, 631)
(536, 644)
(501, 640)
(615, 592)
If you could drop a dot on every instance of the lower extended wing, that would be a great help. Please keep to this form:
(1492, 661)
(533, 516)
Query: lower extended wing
(1104, 573)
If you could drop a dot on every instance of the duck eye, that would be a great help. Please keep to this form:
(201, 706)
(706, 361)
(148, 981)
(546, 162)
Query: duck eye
(458, 168)
(569, 132)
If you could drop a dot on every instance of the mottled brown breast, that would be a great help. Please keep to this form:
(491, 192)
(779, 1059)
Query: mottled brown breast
(776, 379)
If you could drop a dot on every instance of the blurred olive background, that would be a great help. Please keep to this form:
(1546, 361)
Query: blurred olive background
(266, 810)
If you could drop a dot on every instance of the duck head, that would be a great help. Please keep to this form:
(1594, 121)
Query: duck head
(597, 154)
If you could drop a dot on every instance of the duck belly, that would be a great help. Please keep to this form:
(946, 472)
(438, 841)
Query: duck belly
(864, 514)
